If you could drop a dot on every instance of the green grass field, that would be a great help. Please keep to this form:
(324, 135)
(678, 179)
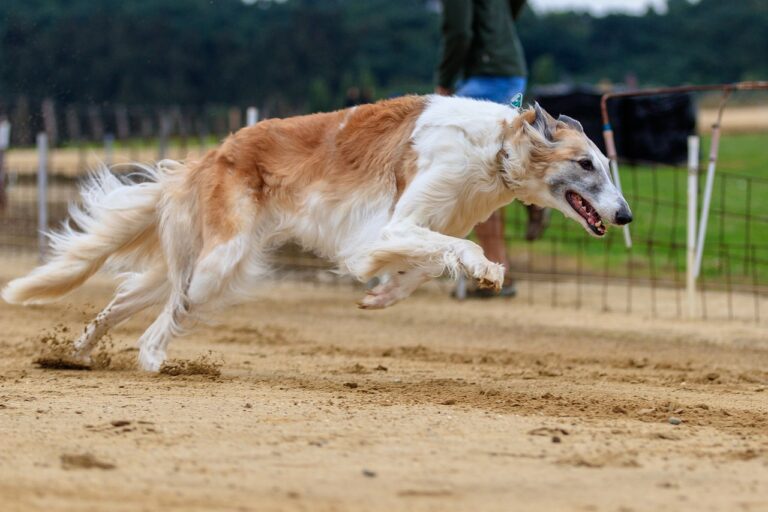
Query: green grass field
(736, 247)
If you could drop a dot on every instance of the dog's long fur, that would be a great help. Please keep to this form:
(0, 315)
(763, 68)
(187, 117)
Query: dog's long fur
(386, 190)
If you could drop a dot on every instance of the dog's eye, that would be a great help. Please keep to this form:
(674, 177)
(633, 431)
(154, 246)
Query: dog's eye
(586, 164)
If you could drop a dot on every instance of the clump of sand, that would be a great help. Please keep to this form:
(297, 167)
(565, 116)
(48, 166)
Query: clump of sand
(204, 365)
(57, 353)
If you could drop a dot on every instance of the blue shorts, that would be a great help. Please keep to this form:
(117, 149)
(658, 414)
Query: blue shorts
(500, 89)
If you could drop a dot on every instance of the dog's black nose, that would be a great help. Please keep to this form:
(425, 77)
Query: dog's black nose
(623, 216)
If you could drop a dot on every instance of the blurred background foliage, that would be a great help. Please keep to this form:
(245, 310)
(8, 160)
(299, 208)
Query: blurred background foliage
(300, 55)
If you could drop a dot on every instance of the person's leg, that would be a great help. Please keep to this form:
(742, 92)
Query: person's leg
(538, 220)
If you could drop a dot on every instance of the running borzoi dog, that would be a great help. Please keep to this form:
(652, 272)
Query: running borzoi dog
(387, 190)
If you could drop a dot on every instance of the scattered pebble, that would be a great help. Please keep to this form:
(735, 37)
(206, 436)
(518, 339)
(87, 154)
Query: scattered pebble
(546, 431)
(713, 376)
(119, 423)
(369, 473)
(381, 368)
(556, 439)
(350, 385)
(450, 401)
(248, 406)
(674, 421)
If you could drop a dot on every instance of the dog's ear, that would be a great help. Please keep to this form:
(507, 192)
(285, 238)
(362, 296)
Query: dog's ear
(544, 123)
(570, 122)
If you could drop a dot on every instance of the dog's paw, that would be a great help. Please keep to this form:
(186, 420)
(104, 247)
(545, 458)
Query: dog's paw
(377, 298)
(490, 275)
(151, 360)
(81, 357)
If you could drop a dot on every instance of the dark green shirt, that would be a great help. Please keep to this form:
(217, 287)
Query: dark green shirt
(479, 39)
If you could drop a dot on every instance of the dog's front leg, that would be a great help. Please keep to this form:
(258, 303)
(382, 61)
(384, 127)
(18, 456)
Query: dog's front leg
(422, 254)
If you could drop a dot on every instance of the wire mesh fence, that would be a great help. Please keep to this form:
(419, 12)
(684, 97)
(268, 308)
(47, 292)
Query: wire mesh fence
(565, 268)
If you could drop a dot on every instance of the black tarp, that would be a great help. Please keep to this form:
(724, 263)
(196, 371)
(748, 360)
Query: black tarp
(646, 129)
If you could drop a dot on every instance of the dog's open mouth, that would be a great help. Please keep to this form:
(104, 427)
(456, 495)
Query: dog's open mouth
(586, 210)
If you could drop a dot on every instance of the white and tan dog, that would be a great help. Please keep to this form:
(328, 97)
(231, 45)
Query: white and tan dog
(387, 190)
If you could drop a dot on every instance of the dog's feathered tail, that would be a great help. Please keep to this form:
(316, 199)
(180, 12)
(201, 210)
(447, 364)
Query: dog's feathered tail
(117, 217)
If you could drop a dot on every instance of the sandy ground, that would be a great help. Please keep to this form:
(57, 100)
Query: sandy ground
(752, 118)
(430, 405)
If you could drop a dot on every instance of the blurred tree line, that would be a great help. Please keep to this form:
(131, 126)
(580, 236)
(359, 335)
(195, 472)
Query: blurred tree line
(298, 55)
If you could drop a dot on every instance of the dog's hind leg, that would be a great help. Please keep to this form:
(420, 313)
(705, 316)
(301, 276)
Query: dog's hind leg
(135, 294)
(154, 342)
(227, 273)
(223, 275)
(397, 286)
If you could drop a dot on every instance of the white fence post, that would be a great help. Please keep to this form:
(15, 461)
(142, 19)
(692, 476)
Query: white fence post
(42, 192)
(109, 149)
(251, 116)
(707, 199)
(166, 125)
(617, 182)
(610, 146)
(5, 140)
(714, 147)
(461, 287)
(693, 193)
(5, 134)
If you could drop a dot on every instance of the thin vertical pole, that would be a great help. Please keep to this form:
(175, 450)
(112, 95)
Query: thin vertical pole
(109, 149)
(42, 192)
(252, 116)
(610, 147)
(693, 192)
(165, 132)
(461, 287)
(5, 140)
(713, 150)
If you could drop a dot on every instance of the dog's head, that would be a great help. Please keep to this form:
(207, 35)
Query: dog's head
(557, 166)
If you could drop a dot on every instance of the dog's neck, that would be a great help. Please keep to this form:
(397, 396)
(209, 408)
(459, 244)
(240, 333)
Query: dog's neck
(510, 166)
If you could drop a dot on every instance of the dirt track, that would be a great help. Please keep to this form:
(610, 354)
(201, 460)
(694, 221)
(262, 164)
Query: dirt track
(431, 405)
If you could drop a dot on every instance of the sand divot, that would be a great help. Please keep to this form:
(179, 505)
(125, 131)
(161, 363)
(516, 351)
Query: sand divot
(83, 461)
(57, 353)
